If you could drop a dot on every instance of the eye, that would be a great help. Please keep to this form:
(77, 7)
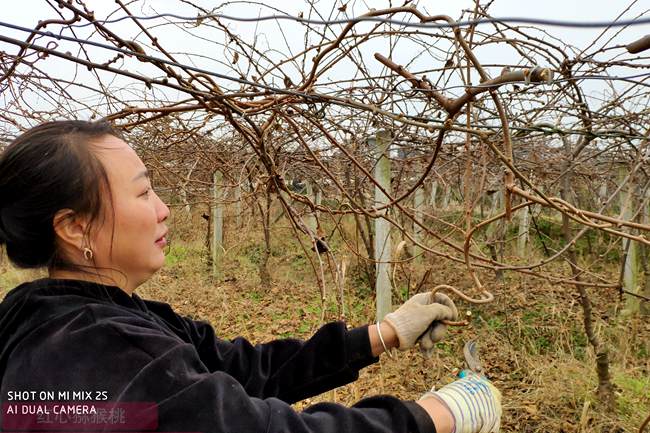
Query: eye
(146, 193)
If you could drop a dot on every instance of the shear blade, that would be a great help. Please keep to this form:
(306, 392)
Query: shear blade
(470, 351)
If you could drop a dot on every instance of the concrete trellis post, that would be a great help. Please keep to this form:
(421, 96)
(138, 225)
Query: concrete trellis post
(645, 257)
(602, 192)
(419, 217)
(216, 214)
(184, 185)
(434, 192)
(381, 143)
(310, 217)
(497, 199)
(318, 196)
(522, 238)
(631, 265)
(238, 206)
(446, 198)
(186, 207)
(495, 231)
(317, 200)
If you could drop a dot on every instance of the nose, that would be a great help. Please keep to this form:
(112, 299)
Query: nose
(162, 210)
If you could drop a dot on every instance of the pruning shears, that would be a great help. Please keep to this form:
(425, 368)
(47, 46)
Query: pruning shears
(472, 360)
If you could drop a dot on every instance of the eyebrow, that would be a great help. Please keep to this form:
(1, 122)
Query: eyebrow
(144, 173)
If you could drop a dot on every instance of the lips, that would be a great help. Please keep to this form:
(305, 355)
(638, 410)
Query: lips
(162, 239)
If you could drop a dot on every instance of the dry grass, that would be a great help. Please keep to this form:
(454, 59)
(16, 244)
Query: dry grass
(531, 338)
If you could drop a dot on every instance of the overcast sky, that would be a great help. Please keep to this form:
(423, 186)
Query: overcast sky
(28, 12)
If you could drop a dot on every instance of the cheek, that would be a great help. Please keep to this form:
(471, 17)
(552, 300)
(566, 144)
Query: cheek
(134, 220)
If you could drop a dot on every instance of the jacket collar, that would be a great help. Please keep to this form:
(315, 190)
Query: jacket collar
(82, 288)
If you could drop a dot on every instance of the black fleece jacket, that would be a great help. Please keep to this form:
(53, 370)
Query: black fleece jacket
(74, 335)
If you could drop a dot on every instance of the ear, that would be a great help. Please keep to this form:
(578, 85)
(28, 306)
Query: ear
(70, 228)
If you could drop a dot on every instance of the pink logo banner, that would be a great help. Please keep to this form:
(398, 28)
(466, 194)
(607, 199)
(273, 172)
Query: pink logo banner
(79, 416)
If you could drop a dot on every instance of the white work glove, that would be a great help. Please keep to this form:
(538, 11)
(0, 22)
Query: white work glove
(474, 403)
(437, 330)
(413, 319)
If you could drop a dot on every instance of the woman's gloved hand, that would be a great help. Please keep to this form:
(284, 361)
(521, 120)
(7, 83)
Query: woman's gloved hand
(432, 335)
(437, 330)
(411, 320)
(475, 404)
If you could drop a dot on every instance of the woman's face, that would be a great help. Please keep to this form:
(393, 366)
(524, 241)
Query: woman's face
(139, 214)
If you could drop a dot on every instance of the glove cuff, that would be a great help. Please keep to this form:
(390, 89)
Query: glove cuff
(434, 394)
(399, 323)
(472, 404)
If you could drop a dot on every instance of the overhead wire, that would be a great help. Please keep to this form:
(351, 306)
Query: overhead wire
(466, 23)
(280, 90)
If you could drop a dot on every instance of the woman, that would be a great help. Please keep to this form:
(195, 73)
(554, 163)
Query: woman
(75, 198)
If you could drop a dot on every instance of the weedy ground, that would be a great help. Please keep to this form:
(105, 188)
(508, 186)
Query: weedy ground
(531, 337)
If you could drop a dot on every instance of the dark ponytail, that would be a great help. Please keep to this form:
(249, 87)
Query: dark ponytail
(48, 168)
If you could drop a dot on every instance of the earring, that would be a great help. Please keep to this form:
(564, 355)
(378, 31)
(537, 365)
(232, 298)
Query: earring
(88, 254)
